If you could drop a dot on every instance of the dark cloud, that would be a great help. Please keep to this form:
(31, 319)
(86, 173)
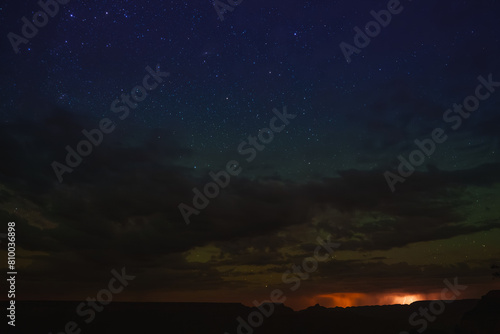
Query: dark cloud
(122, 204)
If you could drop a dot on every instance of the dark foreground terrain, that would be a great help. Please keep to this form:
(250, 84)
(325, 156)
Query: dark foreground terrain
(460, 317)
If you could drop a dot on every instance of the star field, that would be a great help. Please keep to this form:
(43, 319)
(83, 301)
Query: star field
(323, 175)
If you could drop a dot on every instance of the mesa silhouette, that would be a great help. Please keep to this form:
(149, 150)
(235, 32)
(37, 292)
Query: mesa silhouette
(469, 316)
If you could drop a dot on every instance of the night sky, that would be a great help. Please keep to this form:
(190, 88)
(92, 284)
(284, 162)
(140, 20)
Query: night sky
(220, 81)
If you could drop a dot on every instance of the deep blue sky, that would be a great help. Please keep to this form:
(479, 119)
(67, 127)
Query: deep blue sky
(323, 171)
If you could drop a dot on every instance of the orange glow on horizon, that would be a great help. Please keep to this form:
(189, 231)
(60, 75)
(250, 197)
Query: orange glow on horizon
(363, 299)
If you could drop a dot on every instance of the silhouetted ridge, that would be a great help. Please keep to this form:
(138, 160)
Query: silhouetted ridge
(471, 316)
(484, 318)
